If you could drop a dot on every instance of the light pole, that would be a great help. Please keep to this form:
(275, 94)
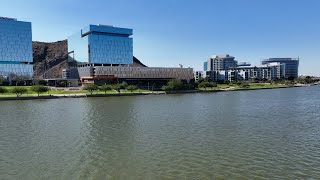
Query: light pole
(153, 86)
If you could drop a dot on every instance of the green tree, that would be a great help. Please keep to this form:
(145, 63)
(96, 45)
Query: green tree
(254, 80)
(40, 82)
(165, 88)
(19, 90)
(174, 85)
(206, 84)
(124, 85)
(91, 88)
(2, 79)
(132, 88)
(40, 89)
(117, 87)
(106, 88)
(3, 90)
(245, 85)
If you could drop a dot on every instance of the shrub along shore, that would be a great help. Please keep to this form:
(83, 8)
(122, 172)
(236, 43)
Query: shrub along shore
(123, 89)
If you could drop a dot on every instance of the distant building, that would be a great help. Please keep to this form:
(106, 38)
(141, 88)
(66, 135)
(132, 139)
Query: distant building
(221, 62)
(270, 71)
(198, 75)
(15, 48)
(218, 64)
(241, 64)
(226, 68)
(291, 65)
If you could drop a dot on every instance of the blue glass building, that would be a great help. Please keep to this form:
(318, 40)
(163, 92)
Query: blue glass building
(101, 44)
(15, 48)
(291, 66)
(205, 66)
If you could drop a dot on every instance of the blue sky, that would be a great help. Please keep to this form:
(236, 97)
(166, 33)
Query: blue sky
(173, 32)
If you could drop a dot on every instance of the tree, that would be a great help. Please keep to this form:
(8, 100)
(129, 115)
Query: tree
(106, 88)
(3, 90)
(206, 84)
(2, 79)
(254, 80)
(132, 88)
(40, 89)
(40, 82)
(124, 85)
(117, 87)
(165, 88)
(245, 85)
(175, 84)
(91, 88)
(19, 91)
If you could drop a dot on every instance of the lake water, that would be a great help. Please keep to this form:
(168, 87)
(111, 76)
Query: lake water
(265, 134)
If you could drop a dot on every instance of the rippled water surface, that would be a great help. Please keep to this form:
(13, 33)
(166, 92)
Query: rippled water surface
(265, 134)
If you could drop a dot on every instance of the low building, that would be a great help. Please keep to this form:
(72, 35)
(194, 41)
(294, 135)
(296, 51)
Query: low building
(198, 75)
(106, 74)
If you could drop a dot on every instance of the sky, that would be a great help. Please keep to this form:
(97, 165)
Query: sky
(172, 32)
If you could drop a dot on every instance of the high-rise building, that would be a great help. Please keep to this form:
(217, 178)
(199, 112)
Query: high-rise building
(101, 45)
(221, 62)
(102, 54)
(15, 48)
(291, 65)
(217, 66)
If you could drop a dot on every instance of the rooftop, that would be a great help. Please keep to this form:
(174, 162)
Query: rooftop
(108, 29)
(282, 59)
(7, 18)
(221, 56)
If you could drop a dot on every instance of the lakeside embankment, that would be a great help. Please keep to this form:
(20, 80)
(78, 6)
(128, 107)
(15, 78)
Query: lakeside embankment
(82, 94)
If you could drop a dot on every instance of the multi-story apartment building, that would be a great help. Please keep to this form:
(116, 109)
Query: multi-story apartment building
(198, 75)
(221, 62)
(225, 68)
(264, 72)
(15, 48)
(100, 53)
(216, 66)
(291, 66)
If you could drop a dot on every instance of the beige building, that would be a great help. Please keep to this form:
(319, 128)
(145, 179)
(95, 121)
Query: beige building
(146, 72)
(88, 74)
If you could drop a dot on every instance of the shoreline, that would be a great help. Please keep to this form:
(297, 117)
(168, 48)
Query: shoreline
(60, 96)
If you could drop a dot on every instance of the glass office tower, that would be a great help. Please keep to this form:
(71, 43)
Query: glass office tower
(101, 45)
(15, 48)
(291, 65)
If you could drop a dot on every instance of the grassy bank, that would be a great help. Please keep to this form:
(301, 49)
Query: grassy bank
(62, 91)
(68, 92)
(250, 86)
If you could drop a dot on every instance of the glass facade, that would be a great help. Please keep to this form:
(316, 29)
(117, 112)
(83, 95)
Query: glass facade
(205, 66)
(291, 66)
(99, 44)
(15, 47)
(17, 69)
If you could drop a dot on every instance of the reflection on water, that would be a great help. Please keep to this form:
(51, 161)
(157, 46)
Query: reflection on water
(255, 134)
